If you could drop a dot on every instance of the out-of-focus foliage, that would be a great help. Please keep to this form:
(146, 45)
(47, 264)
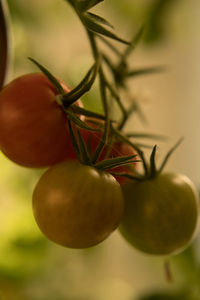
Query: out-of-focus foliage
(156, 20)
(154, 15)
(22, 246)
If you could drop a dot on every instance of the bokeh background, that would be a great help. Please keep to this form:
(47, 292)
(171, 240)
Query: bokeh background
(33, 268)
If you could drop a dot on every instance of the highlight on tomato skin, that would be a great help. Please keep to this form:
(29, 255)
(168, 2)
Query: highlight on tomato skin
(76, 205)
(161, 215)
(34, 131)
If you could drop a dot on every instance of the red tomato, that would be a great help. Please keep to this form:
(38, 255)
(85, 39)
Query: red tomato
(117, 149)
(33, 127)
(77, 206)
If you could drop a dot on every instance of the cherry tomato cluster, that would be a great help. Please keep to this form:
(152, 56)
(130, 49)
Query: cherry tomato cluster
(78, 205)
(75, 205)
(92, 185)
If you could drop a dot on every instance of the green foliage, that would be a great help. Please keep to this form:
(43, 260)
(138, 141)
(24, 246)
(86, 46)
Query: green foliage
(156, 20)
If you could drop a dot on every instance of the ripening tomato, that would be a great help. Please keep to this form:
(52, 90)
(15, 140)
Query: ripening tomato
(117, 149)
(33, 127)
(77, 206)
(161, 214)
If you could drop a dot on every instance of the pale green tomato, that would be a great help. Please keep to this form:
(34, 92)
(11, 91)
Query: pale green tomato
(76, 205)
(161, 214)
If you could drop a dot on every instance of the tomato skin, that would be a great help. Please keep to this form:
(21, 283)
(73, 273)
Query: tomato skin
(161, 214)
(77, 206)
(34, 131)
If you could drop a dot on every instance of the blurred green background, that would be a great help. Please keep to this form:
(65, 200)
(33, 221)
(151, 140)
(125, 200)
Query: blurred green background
(33, 268)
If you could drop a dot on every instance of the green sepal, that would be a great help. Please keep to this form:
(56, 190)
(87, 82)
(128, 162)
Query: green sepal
(83, 87)
(153, 163)
(135, 107)
(142, 145)
(115, 162)
(87, 113)
(78, 121)
(123, 138)
(99, 149)
(95, 27)
(105, 137)
(128, 176)
(100, 20)
(146, 135)
(81, 84)
(137, 37)
(169, 154)
(50, 76)
(83, 150)
(84, 5)
(116, 97)
(108, 62)
(111, 46)
(73, 140)
(145, 71)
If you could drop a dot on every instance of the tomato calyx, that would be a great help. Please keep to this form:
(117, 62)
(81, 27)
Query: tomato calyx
(83, 87)
(84, 156)
(67, 102)
(66, 99)
(150, 169)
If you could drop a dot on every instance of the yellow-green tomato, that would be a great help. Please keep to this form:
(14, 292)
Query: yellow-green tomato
(77, 206)
(161, 214)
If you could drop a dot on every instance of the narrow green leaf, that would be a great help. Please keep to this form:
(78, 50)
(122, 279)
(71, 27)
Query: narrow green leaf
(112, 47)
(87, 113)
(97, 28)
(50, 76)
(83, 149)
(83, 87)
(135, 107)
(145, 71)
(142, 145)
(129, 176)
(73, 139)
(169, 153)
(84, 5)
(100, 20)
(133, 43)
(104, 99)
(99, 149)
(117, 97)
(108, 63)
(82, 82)
(152, 162)
(78, 121)
(115, 162)
(146, 135)
(137, 149)
(116, 165)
